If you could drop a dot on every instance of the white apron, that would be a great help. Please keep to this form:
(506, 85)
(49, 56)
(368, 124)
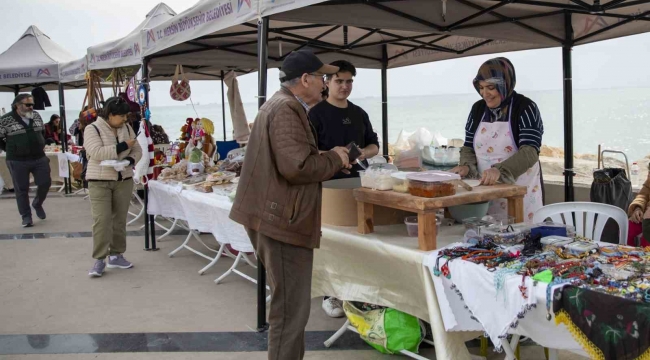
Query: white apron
(494, 143)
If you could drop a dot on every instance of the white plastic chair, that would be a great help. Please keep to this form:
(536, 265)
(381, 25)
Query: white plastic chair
(590, 218)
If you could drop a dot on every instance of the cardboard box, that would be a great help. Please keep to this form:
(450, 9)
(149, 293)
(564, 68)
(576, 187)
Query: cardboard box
(340, 209)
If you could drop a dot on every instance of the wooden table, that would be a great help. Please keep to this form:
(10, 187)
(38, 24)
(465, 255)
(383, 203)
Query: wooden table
(426, 207)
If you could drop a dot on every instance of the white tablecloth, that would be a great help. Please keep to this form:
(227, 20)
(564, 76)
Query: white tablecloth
(386, 268)
(496, 310)
(6, 175)
(203, 212)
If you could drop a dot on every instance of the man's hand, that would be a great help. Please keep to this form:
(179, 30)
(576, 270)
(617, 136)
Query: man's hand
(462, 170)
(637, 215)
(130, 142)
(490, 176)
(343, 154)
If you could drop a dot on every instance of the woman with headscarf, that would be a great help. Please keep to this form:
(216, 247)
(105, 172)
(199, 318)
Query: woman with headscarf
(503, 136)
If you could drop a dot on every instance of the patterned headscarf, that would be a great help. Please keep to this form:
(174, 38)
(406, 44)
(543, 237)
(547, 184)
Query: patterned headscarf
(500, 72)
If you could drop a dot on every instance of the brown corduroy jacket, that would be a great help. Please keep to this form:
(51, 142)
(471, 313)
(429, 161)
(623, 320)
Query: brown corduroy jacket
(279, 191)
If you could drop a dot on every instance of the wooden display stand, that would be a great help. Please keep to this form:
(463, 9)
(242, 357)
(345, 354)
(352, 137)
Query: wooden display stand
(426, 207)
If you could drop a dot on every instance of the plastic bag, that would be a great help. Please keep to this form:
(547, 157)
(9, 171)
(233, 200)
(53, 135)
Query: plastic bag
(387, 330)
(402, 143)
(421, 138)
(438, 140)
(142, 167)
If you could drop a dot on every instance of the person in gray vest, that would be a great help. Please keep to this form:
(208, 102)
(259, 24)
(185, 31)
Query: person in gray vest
(22, 137)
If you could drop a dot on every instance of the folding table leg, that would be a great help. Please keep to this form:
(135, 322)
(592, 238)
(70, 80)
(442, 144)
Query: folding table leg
(232, 268)
(171, 228)
(337, 334)
(187, 239)
(508, 346)
(214, 261)
(553, 354)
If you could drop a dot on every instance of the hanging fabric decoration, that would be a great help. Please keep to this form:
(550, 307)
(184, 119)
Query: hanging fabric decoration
(130, 89)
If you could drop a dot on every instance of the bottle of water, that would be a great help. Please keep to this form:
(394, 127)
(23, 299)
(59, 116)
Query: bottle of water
(634, 174)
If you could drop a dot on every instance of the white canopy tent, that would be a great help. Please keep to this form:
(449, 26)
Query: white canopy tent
(385, 34)
(32, 61)
(35, 60)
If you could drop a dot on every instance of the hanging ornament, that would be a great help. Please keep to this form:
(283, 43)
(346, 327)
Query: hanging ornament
(130, 90)
(142, 94)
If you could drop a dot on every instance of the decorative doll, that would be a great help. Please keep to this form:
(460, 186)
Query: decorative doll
(207, 143)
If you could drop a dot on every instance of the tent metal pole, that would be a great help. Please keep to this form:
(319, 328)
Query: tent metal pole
(263, 38)
(223, 107)
(16, 90)
(145, 76)
(384, 100)
(64, 138)
(568, 109)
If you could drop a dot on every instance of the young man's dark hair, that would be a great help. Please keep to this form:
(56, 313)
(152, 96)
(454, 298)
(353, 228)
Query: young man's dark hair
(344, 66)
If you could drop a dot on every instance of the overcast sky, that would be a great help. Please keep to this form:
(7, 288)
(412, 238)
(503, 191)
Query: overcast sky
(78, 24)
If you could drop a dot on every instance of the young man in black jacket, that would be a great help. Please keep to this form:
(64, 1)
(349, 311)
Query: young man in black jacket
(21, 136)
(338, 122)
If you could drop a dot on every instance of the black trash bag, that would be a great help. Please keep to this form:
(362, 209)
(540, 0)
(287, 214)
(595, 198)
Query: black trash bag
(611, 186)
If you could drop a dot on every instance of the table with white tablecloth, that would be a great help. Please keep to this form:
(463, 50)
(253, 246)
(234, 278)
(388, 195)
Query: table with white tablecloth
(473, 298)
(55, 174)
(384, 268)
(204, 212)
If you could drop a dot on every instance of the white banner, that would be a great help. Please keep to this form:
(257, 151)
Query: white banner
(73, 71)
(204, 18)
(26, 75)
(127, 51)
(118, 53)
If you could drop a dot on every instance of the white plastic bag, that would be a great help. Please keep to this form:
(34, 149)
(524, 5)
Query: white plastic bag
(439, 140)
(402, 143)
(421, 138)
(142, 166)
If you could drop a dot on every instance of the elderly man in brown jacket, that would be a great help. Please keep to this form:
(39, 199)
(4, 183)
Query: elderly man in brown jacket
(279, 197)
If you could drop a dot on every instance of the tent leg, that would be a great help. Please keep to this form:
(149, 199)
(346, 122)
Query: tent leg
(384, 101)
(262, 41)
(568, 110)
(223, 107)
(16, 90)
(64, 138)
(145, 77)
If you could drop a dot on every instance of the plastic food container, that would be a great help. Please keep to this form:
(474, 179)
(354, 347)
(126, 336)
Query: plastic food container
(400, 183)
(431, 184)
(378, 177)
(506, 234)
(441, 156)
(412, 225)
